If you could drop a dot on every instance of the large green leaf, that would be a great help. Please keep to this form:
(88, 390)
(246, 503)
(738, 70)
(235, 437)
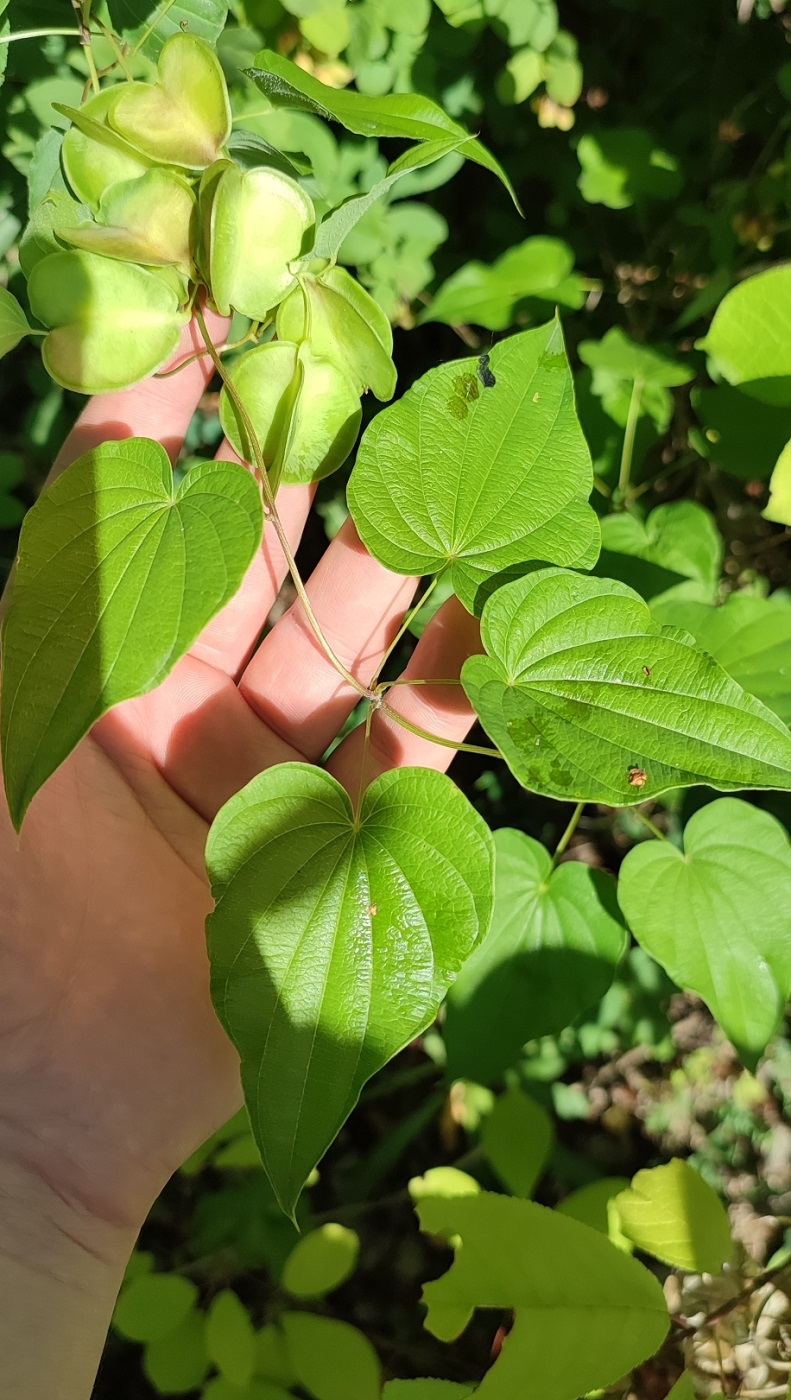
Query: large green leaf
(335, 938)
(749, 636)
(404, 114)
(555, 941)
(118, 573)
(13, 322)
(483, 479)
(149, 23)
(749, 339)
(566, 1284)
(670, 1211)
(716, 917)
(589, 698)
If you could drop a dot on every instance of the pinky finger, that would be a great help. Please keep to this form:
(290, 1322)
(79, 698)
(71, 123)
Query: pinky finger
(442, 710)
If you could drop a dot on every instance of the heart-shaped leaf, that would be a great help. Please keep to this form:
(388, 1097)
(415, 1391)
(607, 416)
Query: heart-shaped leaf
(563, 1281)
(94, 155)
(680, 543)
(112, 323)
(343, 323)
(484, 479)
(148, 220)
(589, 698)
(671, 1212)
(334, 939)
(748, 340)
(717, 919)
(118, 573)
(517, 1137)
(185, 117)
(555, 941)
(749, 636)
(405, 114)
(305, 411)
(249, 272)
(13, 322)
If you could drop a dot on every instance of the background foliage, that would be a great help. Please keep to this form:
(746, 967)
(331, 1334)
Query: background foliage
(649, 148)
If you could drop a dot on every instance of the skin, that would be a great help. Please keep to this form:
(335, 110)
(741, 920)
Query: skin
(113, 1068)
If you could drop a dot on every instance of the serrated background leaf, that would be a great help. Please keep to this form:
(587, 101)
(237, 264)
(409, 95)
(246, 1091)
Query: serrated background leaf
(555, 941)
(590, 699)
(484, 480)
(717, 918)
(118, 574)
(333, 941)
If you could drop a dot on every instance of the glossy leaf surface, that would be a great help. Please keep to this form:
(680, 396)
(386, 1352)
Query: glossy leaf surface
(484, 479)
(118, 573)
(407, 114)
(112, 323)
(717, 917)
(334, 940)
(589, 698)
(563, 1281)
(671, 1212)
(555, 941)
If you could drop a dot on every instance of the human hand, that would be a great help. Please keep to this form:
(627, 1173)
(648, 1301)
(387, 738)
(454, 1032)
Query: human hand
(113, 1067)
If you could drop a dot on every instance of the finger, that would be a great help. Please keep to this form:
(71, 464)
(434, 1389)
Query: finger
(230, 638)
(291, 683)
(157, 408)
(443, 710)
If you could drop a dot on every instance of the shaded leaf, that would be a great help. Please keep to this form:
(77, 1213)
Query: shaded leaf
(321, 1261)
(739, 435)
(517, 1137)
(680, 540)
(152, 1305)
(14, 324)
(590, 699)
(332, 1359)
(334, 940)
(595, 1205)
(118, 573)
(230, 1338)
(716, 918)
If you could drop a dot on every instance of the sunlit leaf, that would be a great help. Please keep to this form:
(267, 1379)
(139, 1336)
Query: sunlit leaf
(622, 165)
(118, 573)
(595, 1205)
(589, 698)
(487, 294)
(716, 918)
(481, 479)
(748, 339)
(321, 1261)
(150, 23)
(334, 939)
(250, 273)
(94, 155)
(679, 542)
(147, 220)
(563, 1280)
(670, 1211)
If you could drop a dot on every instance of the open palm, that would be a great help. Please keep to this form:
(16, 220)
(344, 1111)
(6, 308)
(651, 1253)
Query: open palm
(112, 1064)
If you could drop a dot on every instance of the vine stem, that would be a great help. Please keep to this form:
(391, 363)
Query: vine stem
(410, 616)
(272, 514)
(652, 827)
(627, 452)
(435, 738)
(568, 833)
(83, 8)
(39, 33)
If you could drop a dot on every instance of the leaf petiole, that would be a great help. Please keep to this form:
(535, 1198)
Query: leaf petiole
(568, 833)
(435, 738)
(627, 452)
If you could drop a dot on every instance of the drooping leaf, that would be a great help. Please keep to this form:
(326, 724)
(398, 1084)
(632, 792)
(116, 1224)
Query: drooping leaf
(563, 1281)
(342, 322)
(517, 1137)
(681, 544)
(590, 699)
(304, 408)
(153, 1305)
(487, 294)
(483, 479)
(321, 1261)
(748, 339)
(671, 1212)
(230, 1338)
(14, 325)
(555, 941)
(185, 117)
(111, 323)
(716, 918)
(334, 940)
(150, 23)
(749, 636)
(118, 573)
(332, 1359)
(404, 114)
